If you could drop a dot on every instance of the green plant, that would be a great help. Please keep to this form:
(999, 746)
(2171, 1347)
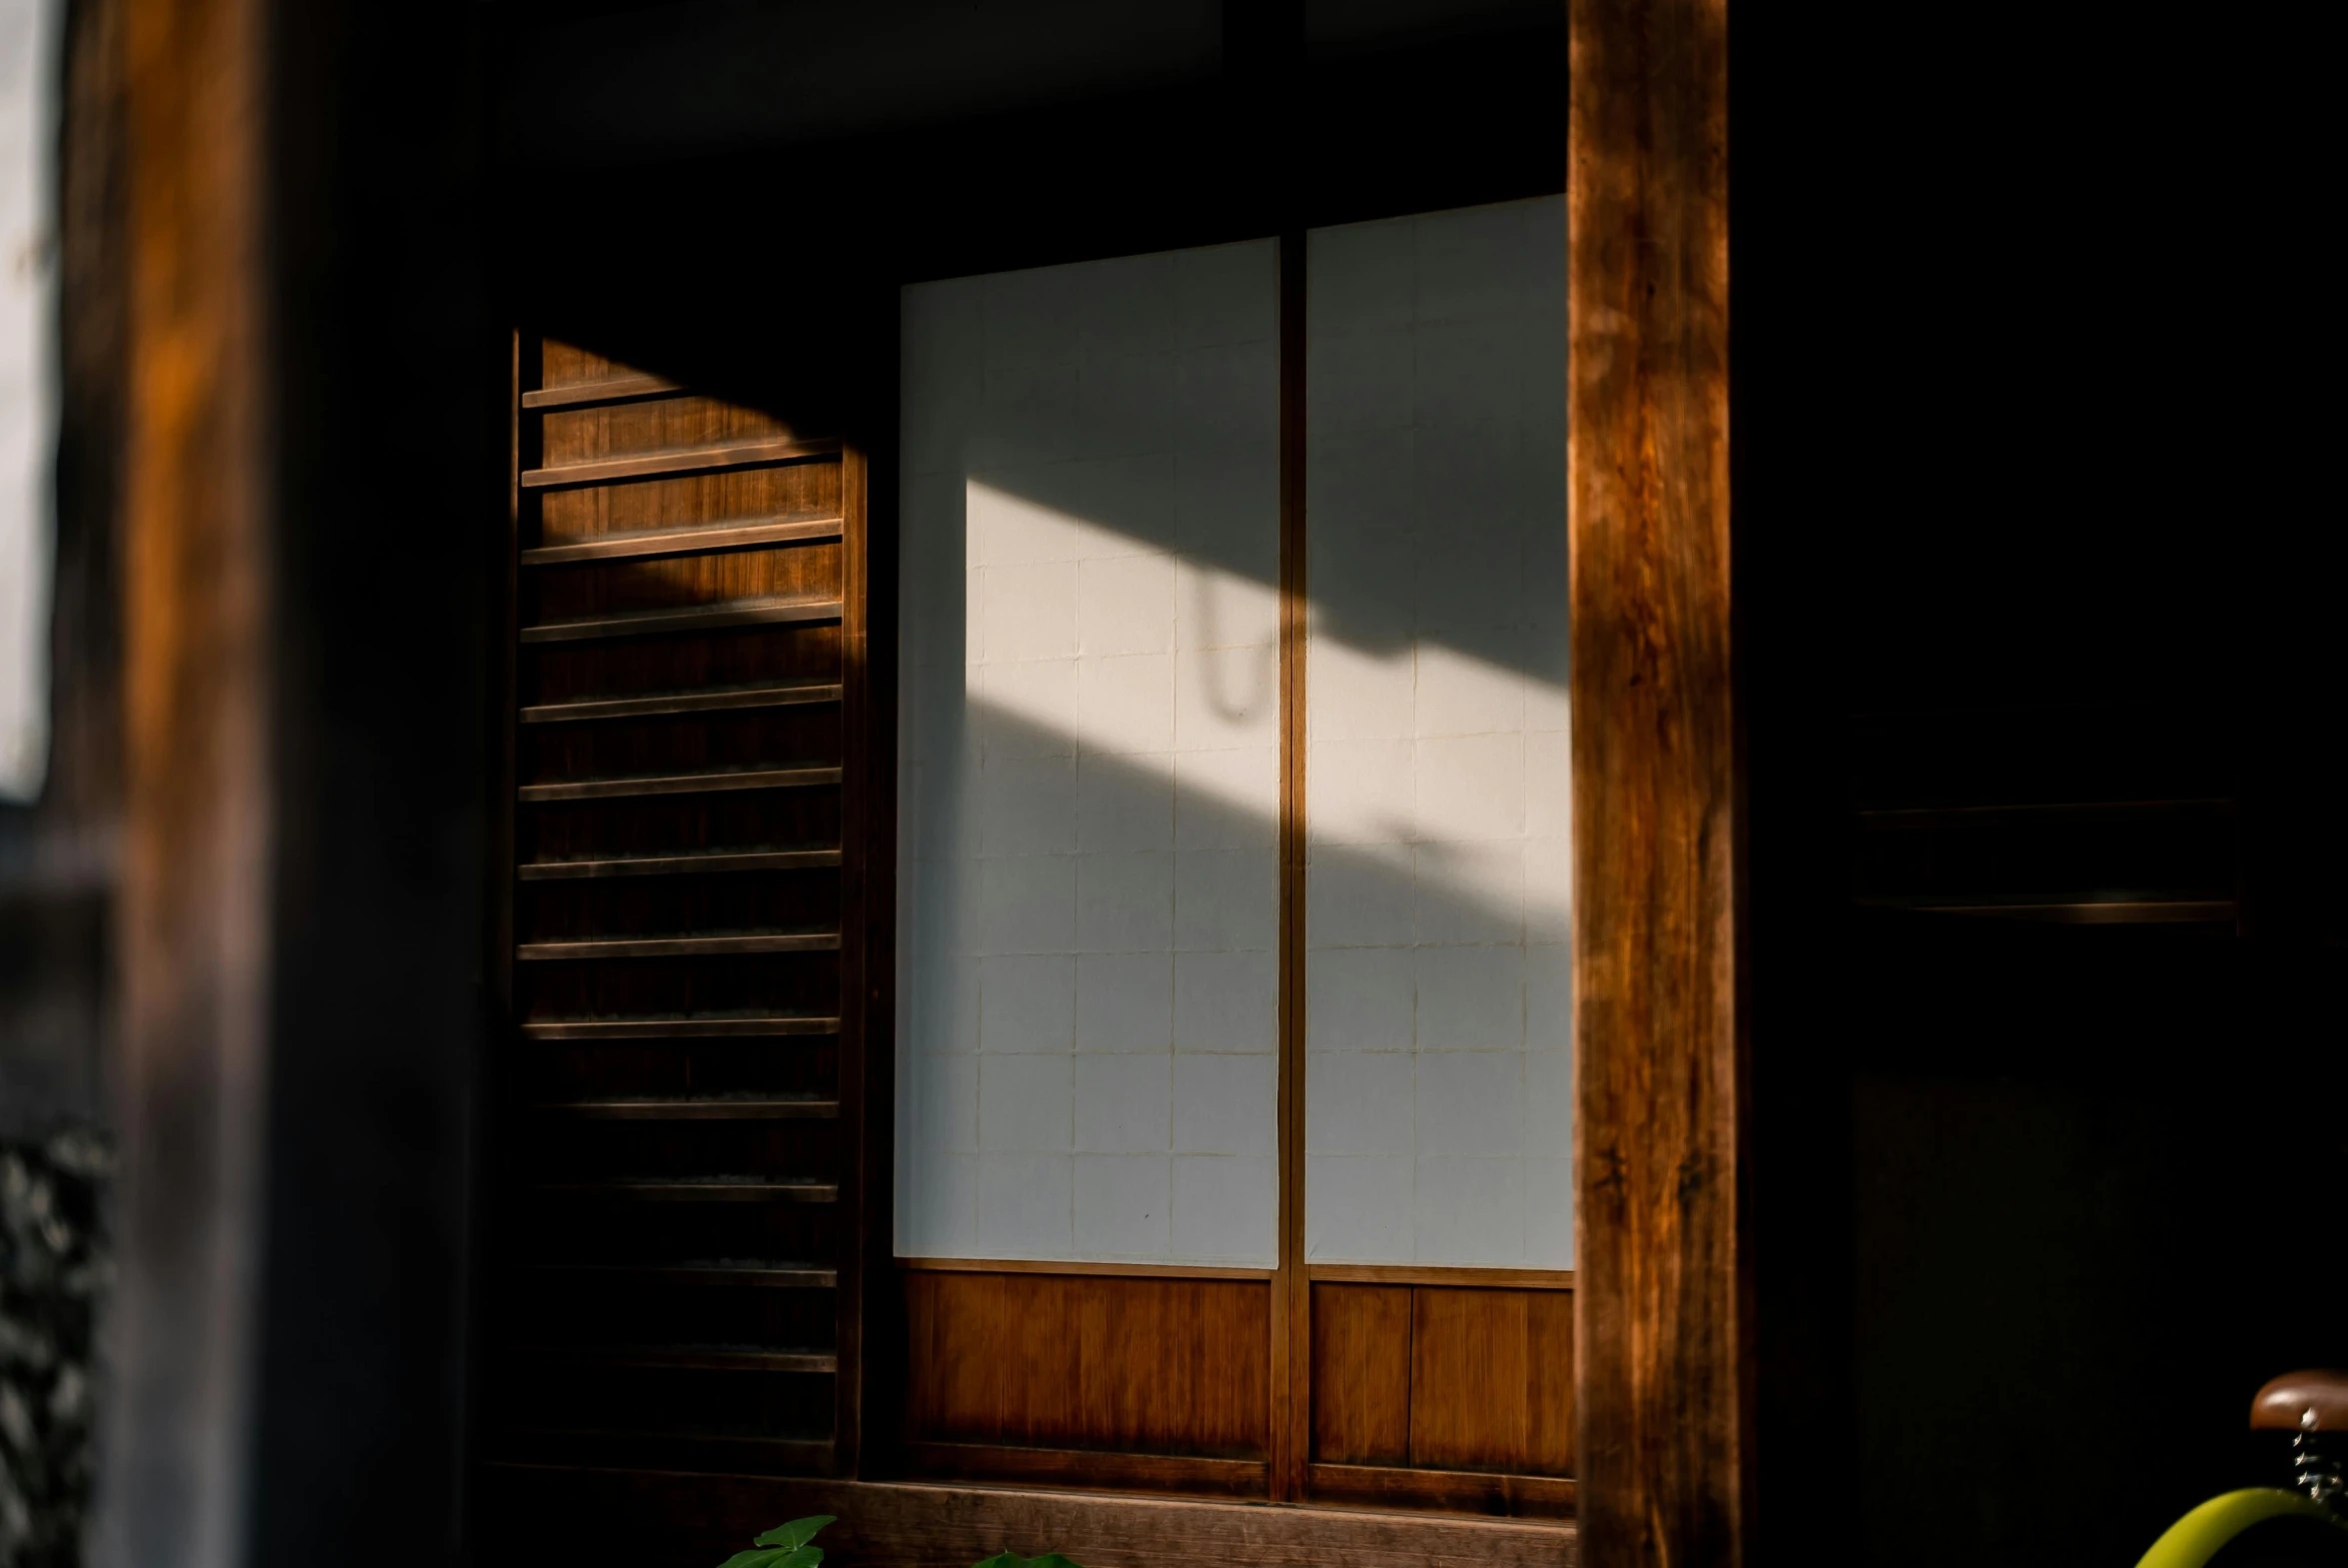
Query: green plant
(785, 1546)
(1014, 1560)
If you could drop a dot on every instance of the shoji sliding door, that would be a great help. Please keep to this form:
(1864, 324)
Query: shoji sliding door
(1104, 595)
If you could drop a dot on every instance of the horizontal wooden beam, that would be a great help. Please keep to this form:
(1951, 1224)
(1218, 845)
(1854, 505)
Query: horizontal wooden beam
(1095, 1469)
(1451, 1491)
(616, 1517)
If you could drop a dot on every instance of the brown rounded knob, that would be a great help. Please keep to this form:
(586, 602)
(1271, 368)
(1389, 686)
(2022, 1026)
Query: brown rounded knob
(2311, 1401)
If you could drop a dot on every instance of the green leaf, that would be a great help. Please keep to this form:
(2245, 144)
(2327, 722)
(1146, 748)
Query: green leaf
(800, 1557)
(765, 1559)
(797, 1533)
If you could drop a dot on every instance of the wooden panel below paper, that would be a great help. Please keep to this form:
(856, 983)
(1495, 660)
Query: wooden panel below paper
(1122, 1365)
(1439, 1378)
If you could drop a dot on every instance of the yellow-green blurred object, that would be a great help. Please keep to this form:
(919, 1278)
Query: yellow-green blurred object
(2196, 1538)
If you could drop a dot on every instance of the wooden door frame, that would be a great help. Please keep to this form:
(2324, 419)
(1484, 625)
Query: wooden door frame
(1664, 1365)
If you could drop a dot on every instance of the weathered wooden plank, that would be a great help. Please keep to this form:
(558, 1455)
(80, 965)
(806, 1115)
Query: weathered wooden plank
(1665, 1449)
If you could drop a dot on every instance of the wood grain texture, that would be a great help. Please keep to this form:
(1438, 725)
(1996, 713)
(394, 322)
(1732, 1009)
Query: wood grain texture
(1361, 1374)
(1141, 1367)
(198, 792)
(679, 1521)
(1665, 1451)
(1432, 1378)
(1492, 1380)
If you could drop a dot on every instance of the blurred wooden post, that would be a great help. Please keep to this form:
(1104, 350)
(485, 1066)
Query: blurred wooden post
(195, 911)
(1663, 1402)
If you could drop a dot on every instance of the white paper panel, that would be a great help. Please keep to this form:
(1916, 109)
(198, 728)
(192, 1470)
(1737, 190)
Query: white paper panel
(1090, 762)
(1439, 1105)
(28, 397)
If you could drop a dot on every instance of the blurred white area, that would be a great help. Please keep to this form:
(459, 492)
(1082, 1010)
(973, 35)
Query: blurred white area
(29, 79)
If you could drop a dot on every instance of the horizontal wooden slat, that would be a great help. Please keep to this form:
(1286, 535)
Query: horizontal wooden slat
(2149, 910)
(674, 1028)
(656, 1452)
(692, 460)
(681, 1190)
(698, 617)
(687, 1358)
(1088, 1469)
(686, 541)
(790, 696)
(1415, 1274)
(707, 1109)
(682, 783)
(2066, 814)
(777, 1276)
(1000, 1265)
(677, 946)
(1451, 1491)
(680, 864)
(611, 389)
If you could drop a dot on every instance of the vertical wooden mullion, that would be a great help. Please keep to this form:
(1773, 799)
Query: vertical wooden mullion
(1292, 1348)
(882, 1375)
(856, 783)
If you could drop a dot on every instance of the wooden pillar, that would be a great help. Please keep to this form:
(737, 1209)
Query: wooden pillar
(1663, 1401)
(197, 823)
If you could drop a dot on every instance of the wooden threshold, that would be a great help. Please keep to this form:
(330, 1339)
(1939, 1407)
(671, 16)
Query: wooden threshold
(675, 1028)
(698, 1110)
(1457, 1278)
(652, 543)
(675, 947)
(681, 784)
(631, 1516)
(692, 460)
(687, 1358)
(999, 1265)
(784, 696)
(666, 1190)
(611, 389)
(718, 616)
(701, 864)
(1450, 1491)
(1087, 1468)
